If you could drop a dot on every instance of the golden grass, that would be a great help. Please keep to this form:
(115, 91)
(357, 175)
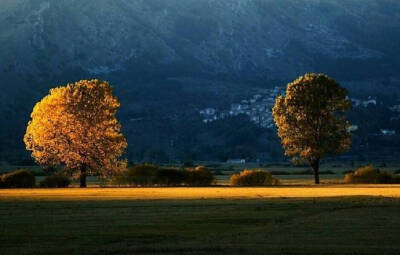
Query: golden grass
(186, 193)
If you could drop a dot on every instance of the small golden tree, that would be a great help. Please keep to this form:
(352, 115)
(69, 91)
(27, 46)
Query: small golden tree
(75, 125)
(311, 119)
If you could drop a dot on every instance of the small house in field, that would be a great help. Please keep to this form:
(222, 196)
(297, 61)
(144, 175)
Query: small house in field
(388, 132)
(352, 128)
(395, 108)
(209, 111)
(236, 161)
(368, 102)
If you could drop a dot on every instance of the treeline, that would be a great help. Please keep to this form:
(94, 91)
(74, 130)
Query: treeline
(151, 175)
(148, 175)
(137, 175)
(25, 179)
(188, 138)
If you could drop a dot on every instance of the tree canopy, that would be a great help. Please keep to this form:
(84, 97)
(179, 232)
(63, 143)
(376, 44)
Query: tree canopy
(311, 119)
(75, 125)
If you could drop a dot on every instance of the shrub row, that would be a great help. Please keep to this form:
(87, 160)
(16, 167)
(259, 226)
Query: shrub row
(55, 181)
(147, 175)
(370, 174)
(26, 179)
(17, 179)
(253, 178)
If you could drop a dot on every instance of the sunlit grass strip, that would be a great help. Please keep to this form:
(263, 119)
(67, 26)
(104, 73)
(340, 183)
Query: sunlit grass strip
(199, 193)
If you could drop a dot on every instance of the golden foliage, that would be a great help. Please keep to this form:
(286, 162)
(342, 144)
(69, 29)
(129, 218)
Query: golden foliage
(253, 178)
(76, 125)
(311, 118)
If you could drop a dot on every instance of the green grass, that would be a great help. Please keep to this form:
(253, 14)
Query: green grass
(346, 225)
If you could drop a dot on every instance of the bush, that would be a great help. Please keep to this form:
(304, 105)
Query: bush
(370, 174)
(386, 177)
(366, 174)
(253, 178)
(170, 176)
(55, 181)
(145, 175)
(200, 176)
(142, 175)
(17, 179)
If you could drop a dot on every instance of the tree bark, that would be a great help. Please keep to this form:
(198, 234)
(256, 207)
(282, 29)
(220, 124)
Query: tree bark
(82, 177)
(315, 167)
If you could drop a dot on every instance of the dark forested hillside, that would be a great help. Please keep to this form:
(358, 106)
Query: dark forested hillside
(169, 59)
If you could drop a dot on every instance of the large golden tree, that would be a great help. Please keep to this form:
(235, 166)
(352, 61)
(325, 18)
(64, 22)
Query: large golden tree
(76, 126)
(311, 119)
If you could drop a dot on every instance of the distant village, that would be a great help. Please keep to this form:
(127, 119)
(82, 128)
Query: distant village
(259, 109)
(371, 101)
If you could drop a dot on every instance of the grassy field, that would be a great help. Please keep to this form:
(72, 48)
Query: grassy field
(199, 193)
(331, 219)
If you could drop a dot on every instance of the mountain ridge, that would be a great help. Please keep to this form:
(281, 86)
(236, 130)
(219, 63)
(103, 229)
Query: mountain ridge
(234, 38)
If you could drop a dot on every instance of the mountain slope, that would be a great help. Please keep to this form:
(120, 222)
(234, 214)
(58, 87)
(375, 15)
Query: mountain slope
(238, 38)
(172, 55)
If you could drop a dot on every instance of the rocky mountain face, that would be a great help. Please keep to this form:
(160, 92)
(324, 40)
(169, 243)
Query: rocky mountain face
(255, 39)
(187, 47)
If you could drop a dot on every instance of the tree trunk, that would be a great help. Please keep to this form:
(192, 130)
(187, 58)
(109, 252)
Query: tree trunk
(82, 177)
(315, 167)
